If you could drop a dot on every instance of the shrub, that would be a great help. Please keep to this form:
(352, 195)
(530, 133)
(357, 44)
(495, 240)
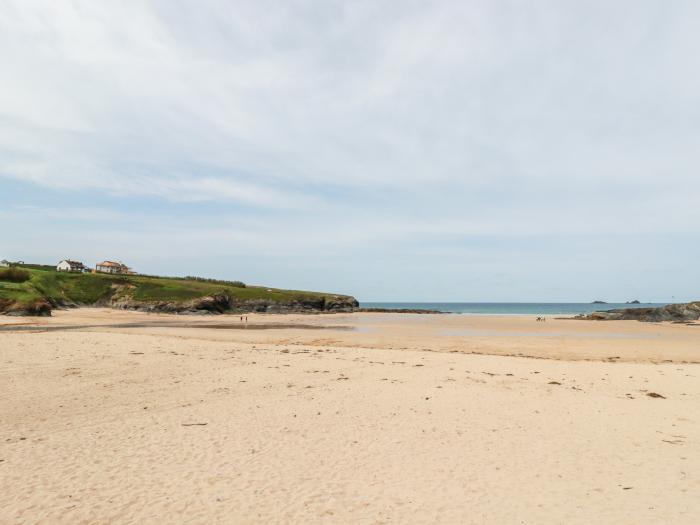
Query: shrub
(14, 275)
(236, 284)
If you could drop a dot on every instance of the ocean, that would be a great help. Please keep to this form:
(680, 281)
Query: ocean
(511, 308)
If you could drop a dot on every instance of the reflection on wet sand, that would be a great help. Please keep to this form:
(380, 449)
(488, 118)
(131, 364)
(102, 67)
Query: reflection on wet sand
(24, 327)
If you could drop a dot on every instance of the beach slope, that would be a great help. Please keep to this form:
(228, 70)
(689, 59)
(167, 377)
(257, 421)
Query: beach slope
(115, 424)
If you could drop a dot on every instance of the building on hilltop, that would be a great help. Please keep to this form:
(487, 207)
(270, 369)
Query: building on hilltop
(66, 265)
(112, 267)
(4, 263)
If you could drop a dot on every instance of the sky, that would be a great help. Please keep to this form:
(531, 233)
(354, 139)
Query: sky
(475, 150)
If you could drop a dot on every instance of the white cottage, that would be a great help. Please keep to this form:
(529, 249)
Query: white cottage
(67, 265)
(4, 264)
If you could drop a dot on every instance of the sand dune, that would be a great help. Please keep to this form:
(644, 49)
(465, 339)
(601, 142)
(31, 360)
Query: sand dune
(163, 424)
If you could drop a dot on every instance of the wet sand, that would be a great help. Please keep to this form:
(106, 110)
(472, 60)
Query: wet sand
(118, 417)
(523, 336)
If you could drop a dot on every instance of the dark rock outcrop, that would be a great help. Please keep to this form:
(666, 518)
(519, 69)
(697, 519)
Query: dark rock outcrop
(399, 311)
(221, 303)
(333, 303)
(213, 304)
(673, 312)
(37, 308)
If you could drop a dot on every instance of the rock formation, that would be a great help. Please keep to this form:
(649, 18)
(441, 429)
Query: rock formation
(672, 312)
(38, 308)
(209, 304)
(222, 303)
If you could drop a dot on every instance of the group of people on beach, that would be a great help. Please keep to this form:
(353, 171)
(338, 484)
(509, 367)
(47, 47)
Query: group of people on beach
(543, 319)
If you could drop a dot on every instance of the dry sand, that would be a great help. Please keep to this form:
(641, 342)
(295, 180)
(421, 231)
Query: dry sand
(384, 419)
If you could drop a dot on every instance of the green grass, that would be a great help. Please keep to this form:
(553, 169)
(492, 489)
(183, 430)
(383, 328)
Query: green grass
(88, 289)
(77, 288)
(20, 292)
(169, 290)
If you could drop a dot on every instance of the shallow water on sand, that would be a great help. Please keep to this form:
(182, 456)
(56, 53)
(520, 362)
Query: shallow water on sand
(512, 308)
(156, 324)
(500, 333)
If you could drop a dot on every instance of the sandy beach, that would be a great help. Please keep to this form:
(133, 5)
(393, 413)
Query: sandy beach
(121, 417)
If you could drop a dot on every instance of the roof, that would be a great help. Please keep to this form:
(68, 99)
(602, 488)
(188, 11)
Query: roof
(112, 264)
(72, 263)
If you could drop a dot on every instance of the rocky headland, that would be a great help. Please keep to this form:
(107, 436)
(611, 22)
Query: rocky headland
(680, 313)
(37, 291)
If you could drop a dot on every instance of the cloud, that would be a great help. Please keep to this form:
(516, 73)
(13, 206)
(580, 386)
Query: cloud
(457, 93)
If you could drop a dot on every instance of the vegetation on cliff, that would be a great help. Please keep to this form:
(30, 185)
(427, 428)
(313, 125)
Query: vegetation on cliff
(42, 289)
(14, 275)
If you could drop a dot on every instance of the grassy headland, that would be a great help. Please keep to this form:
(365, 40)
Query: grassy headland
(45, 288)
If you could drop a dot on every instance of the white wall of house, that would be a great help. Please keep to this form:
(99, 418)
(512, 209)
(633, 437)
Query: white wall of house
(4, 264)
(63, 266)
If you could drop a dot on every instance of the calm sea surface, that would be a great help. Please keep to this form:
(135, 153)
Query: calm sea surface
(512, 308)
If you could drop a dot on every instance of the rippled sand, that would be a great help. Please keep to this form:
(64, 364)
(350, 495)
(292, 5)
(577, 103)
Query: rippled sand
(379, 419)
